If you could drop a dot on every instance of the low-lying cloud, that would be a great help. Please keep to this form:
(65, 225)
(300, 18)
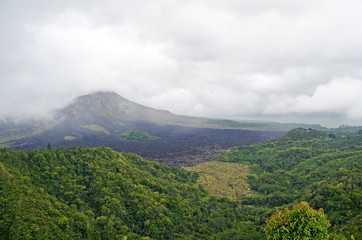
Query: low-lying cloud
(206, 58)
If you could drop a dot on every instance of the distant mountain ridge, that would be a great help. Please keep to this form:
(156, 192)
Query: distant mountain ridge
(113, 106)
(110, 105)
(100, 118)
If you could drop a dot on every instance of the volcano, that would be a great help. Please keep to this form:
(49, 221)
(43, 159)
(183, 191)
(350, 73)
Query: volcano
(106, 118)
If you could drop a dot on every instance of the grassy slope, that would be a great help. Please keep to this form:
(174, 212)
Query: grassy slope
(96, 128)
(223, 179)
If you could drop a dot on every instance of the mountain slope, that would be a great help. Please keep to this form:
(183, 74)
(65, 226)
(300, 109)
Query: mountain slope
(96, 193)
(110, 105)
(109, 110)
(102, 118)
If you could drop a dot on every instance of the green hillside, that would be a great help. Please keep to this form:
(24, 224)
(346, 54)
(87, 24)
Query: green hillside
(322, 168)
(96, 193)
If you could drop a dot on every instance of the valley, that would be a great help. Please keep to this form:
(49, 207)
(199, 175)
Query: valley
(180, 120)
(207, 179)
(98, 193)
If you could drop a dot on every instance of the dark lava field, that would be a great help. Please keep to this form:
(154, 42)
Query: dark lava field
(177, 146)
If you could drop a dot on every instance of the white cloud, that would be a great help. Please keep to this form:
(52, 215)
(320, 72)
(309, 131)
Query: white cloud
(211, 58)
(341, 96)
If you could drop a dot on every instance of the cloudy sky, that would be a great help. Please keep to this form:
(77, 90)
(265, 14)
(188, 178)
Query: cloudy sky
(282, 60)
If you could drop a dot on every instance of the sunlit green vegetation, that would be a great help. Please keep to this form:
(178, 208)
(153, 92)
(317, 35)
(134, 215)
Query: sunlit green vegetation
(138, 135)
(300, 223)
(96, 193)
(322, 168)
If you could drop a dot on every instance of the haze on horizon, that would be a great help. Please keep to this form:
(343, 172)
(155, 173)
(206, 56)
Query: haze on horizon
(288, 61)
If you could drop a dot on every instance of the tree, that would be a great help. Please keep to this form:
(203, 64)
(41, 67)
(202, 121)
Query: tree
(302, 222)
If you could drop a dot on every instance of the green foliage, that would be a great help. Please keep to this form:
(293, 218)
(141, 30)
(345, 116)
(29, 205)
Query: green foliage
(96, 193)
(138, 135)
(319, 167)
(300, 223)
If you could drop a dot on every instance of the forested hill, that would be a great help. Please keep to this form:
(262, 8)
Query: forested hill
(96, 193)
(322, 168)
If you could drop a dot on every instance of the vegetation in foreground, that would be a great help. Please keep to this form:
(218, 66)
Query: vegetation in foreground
(300, 223)
(96, 193)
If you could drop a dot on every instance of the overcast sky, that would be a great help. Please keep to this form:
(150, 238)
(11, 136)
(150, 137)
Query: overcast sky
(284, 60)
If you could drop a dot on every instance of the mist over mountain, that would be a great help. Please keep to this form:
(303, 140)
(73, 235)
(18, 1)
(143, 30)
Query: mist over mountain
(102, 118)
(108, 120)
(199, 58)
(86, 86)
(110, 105)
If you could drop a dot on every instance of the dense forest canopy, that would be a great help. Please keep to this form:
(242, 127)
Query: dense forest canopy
(97, 193)
(320, 167)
